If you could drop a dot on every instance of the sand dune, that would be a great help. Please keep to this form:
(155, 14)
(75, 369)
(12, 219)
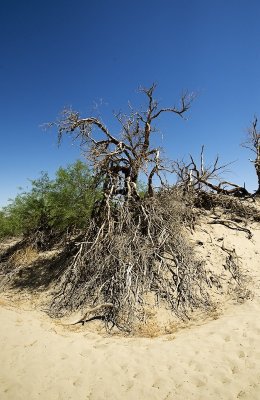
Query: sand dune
(215, 359)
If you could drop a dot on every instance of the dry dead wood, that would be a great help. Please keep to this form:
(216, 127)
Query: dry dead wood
(232, 264)
(85, 314)
(231, 225)
(122, 254)
(118, 159)
(134, 252)
(253, 143)
(205, 178)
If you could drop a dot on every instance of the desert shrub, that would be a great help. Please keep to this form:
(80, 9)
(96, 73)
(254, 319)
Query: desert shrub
(54, 205)
(28, 209)
(5, 225)
(71, 198)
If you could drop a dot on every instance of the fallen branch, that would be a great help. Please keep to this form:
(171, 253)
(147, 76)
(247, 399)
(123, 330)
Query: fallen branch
(232, 264)
(232, 225)
(84, 318)
(205, 178)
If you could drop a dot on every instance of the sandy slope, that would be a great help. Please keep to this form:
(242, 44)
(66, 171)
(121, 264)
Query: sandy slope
(218, 359)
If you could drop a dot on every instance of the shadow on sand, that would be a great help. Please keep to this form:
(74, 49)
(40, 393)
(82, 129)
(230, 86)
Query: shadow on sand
(39, 275)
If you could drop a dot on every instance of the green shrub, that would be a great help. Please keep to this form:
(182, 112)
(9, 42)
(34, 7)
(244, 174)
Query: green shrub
(62, 203)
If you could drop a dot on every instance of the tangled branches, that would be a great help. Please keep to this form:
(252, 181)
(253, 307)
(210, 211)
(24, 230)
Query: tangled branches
(134, 252)
(133, 246)
(206, 178)
(118, 159)
(253, 144)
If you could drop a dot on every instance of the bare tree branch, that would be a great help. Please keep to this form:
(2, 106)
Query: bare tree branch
(204, 178)
(118, 159)
(253, 143)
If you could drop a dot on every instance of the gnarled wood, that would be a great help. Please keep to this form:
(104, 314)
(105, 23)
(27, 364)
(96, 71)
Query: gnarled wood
(83, 315)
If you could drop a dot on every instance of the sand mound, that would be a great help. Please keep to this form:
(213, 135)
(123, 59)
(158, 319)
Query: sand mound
(213, 359)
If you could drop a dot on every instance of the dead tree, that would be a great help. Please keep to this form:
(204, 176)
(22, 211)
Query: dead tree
(253, 143)
(118, 159)
(132, 246)
(206, 178)
(204, 188)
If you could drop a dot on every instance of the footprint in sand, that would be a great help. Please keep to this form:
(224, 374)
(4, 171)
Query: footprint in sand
(100, 346)
(129, 385)
(78, 382)
(84, 353)
(241, 354)
(235, 369)
(124, 367)
(225, 380)
(241, 394)
(168, 396)
(199, 383)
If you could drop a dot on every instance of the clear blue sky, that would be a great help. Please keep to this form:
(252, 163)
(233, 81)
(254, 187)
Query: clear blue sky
(70, 53)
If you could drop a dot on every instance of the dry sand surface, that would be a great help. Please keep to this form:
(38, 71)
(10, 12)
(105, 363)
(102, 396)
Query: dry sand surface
(215, 359)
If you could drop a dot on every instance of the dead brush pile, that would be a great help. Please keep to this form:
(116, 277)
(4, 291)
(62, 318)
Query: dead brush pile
(137, 251)
(245, 208)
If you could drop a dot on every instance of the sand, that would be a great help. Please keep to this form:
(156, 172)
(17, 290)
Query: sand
(215, 359)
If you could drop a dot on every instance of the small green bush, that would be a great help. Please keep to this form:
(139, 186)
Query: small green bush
(63, 203)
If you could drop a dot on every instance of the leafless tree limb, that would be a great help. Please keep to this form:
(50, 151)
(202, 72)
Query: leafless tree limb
(253, 143)
(118, 159)
(206, 177)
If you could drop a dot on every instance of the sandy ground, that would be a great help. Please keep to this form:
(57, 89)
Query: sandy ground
(217, 359)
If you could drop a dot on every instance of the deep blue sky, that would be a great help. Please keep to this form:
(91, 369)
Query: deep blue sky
(73, 53)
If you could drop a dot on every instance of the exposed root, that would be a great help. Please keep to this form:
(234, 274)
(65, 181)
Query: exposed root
(234, 208)
(232, 225)
(85, 316)
(138, 250)
(134, 251)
